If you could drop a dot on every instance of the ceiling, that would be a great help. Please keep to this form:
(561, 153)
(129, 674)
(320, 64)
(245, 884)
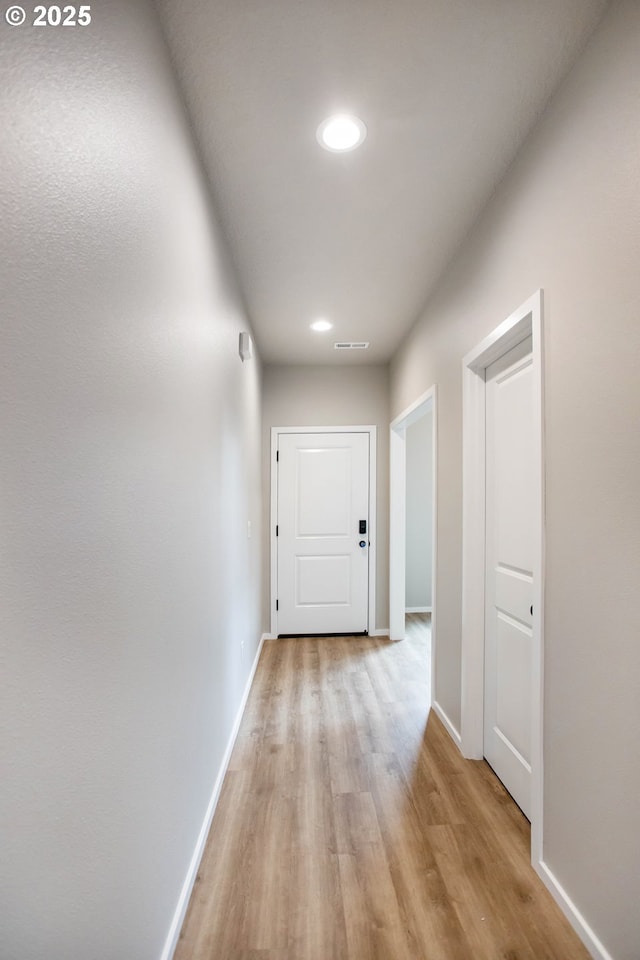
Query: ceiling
(448, 90)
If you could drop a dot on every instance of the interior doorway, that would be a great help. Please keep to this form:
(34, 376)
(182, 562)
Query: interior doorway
(509, 512)
(412, 559)
(419, 516)
(502, 582)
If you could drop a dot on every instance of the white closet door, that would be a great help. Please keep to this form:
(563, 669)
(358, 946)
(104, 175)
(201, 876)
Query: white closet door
(509, 570)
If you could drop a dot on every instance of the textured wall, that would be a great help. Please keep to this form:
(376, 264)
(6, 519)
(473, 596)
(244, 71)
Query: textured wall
(419, 538)
(130, 437)
(565, 219)
(312, 396)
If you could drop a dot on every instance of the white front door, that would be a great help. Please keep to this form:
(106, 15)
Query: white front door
(509, 570)
(323, 557)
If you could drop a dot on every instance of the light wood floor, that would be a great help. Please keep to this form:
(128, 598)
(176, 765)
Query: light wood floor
(350, 828)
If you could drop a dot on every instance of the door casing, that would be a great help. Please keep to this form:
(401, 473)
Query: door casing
(275, 431)
(523, 322)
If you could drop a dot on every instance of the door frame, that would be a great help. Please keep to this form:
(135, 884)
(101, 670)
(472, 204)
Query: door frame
(526, 321)
(398, 521)
(372, 431)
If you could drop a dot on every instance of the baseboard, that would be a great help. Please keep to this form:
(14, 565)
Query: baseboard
(451, 730)
(185, 894)
(417, 610)
(571, 912)
(268, 636)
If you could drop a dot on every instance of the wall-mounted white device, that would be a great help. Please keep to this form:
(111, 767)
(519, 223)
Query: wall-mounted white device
(245, 346)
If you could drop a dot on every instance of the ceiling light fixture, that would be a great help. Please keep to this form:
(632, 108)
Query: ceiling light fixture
(321, 325)
(340, 134)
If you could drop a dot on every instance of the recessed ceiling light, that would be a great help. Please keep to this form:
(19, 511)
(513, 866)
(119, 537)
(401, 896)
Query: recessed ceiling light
(321, 325)
(341, 133)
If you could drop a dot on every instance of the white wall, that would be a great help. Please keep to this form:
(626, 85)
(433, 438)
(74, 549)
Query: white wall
(419, 506)
(330, 396)
(566, 219)
(130, 435)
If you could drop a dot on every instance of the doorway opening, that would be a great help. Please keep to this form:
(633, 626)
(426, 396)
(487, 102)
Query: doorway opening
(478, 543)
(412, 520)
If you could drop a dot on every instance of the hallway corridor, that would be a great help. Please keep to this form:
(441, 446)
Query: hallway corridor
(350, 828)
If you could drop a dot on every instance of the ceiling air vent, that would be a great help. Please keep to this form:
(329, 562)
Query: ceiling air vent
(358, 345)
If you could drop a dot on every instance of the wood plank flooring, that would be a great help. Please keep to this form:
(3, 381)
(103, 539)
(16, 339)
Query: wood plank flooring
(350, 828)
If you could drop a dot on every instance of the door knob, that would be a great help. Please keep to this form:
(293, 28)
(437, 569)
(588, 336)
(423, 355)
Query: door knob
(363, 543)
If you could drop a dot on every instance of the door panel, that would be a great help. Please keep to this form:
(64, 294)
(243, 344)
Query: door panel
(323, 581)
(323, 494)
(509, 570)
(513, 593)
(513, 667)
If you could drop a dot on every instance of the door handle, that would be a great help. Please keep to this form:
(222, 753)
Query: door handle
(363, 543)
